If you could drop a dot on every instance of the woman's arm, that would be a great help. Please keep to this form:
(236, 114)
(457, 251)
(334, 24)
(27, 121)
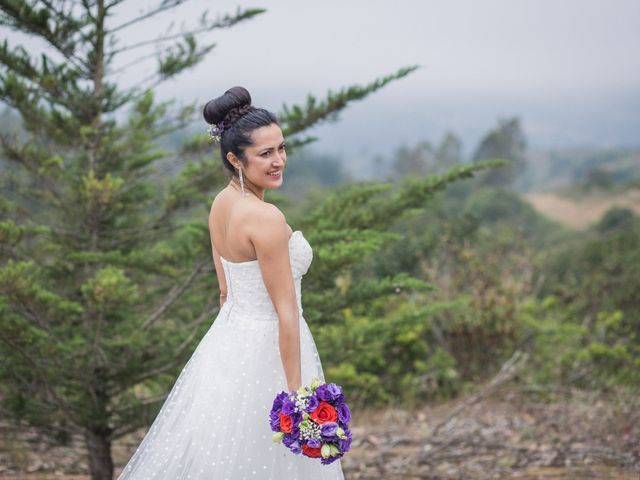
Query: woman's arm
(270, 238)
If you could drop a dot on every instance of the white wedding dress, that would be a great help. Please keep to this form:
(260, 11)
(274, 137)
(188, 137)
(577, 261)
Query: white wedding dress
(214, 425)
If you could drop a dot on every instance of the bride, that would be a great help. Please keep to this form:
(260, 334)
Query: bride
(214, 424)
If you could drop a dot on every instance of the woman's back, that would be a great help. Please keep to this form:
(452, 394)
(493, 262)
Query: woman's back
(231, 218)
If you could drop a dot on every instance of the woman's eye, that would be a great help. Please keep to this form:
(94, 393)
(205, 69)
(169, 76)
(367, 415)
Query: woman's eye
(265, 154)
(281, 147)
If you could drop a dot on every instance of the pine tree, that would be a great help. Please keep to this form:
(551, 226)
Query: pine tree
(506, 141)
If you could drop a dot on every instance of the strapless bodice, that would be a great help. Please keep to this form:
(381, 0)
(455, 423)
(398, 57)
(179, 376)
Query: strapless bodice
(247, 294)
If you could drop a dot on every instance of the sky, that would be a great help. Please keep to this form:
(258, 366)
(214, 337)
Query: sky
(570, 69)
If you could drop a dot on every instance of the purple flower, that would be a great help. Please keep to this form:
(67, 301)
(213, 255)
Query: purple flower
(288, 406)
(345, 444)
(289, 439)
(314, 443)
(215, 131)
(275, 424)
(335, 390)
(277, 402)
(312, 404)
(344, 414)
(328, 429)
(296, 418)
(324, 393)
(296, 447)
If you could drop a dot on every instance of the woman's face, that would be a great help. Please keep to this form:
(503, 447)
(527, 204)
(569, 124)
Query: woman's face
(265, 158)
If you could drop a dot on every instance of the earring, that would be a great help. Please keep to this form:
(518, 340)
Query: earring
(242, 183)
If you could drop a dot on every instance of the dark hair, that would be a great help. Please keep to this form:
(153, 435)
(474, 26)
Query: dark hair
(240, 118)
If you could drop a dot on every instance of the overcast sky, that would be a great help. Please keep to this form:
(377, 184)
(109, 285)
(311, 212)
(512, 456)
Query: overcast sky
(569, 69)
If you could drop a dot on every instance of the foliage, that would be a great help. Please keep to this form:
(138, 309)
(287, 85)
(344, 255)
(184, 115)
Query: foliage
(507, 141)
(353, 222)
(597, 280)
(424, 158)
(427, 344)
(391, 358)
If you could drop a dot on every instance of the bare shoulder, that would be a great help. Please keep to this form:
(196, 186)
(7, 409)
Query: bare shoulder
(217, 199)
(268, 225)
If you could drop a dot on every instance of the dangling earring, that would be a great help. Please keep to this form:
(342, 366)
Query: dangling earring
(242, 183)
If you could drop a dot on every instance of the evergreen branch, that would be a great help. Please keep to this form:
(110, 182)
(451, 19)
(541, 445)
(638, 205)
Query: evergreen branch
(147, 401)
(371, 289)
(297, 119)
(56, 82)
(125, 235)
(25, 311)
(43, 380)
(20, 16)
(173, 295)
(63, 16)
(150, 373)
(164, 6)
(134, 62)
(26, 159)
(112, 4)
(87, 9)
(224, 22)
(359, 208)
(30, 389)
(297, 143)
(415, 190)
(135, 418)
(182, 56)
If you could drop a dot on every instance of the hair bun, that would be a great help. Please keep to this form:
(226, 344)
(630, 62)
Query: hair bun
(235, 102)
(235, 113)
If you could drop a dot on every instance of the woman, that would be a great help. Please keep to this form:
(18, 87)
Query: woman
(214, 424)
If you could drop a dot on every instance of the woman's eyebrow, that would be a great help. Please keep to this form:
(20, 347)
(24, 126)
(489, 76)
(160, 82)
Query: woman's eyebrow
(270, 148)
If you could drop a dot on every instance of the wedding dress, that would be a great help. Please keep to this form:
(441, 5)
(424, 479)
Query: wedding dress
(214, 424)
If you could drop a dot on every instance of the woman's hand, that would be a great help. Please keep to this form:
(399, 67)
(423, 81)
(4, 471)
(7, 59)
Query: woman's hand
(294, 386)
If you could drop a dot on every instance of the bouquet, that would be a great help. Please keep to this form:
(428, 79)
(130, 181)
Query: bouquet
(313, 421)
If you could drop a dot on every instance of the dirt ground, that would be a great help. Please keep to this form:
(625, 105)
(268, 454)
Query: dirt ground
(580, 214)
(522, 433)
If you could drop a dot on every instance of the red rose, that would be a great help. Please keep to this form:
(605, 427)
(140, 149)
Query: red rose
(286, 424)
(324, 413)
(311, 452)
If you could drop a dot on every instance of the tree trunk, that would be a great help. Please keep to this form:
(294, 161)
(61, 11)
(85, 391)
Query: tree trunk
(100, 462)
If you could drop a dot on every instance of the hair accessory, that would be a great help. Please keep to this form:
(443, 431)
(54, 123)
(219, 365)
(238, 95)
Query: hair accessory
(215, 131)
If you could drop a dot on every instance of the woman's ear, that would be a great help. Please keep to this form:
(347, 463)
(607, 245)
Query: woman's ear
(232, 159)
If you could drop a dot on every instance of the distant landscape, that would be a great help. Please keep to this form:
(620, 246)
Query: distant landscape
(580, 213)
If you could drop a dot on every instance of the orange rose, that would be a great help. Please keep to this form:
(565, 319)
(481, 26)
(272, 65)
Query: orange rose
(324, 413)
(286, 424)
(311, 452)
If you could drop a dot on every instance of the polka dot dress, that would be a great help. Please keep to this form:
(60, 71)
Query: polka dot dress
(214, 424)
